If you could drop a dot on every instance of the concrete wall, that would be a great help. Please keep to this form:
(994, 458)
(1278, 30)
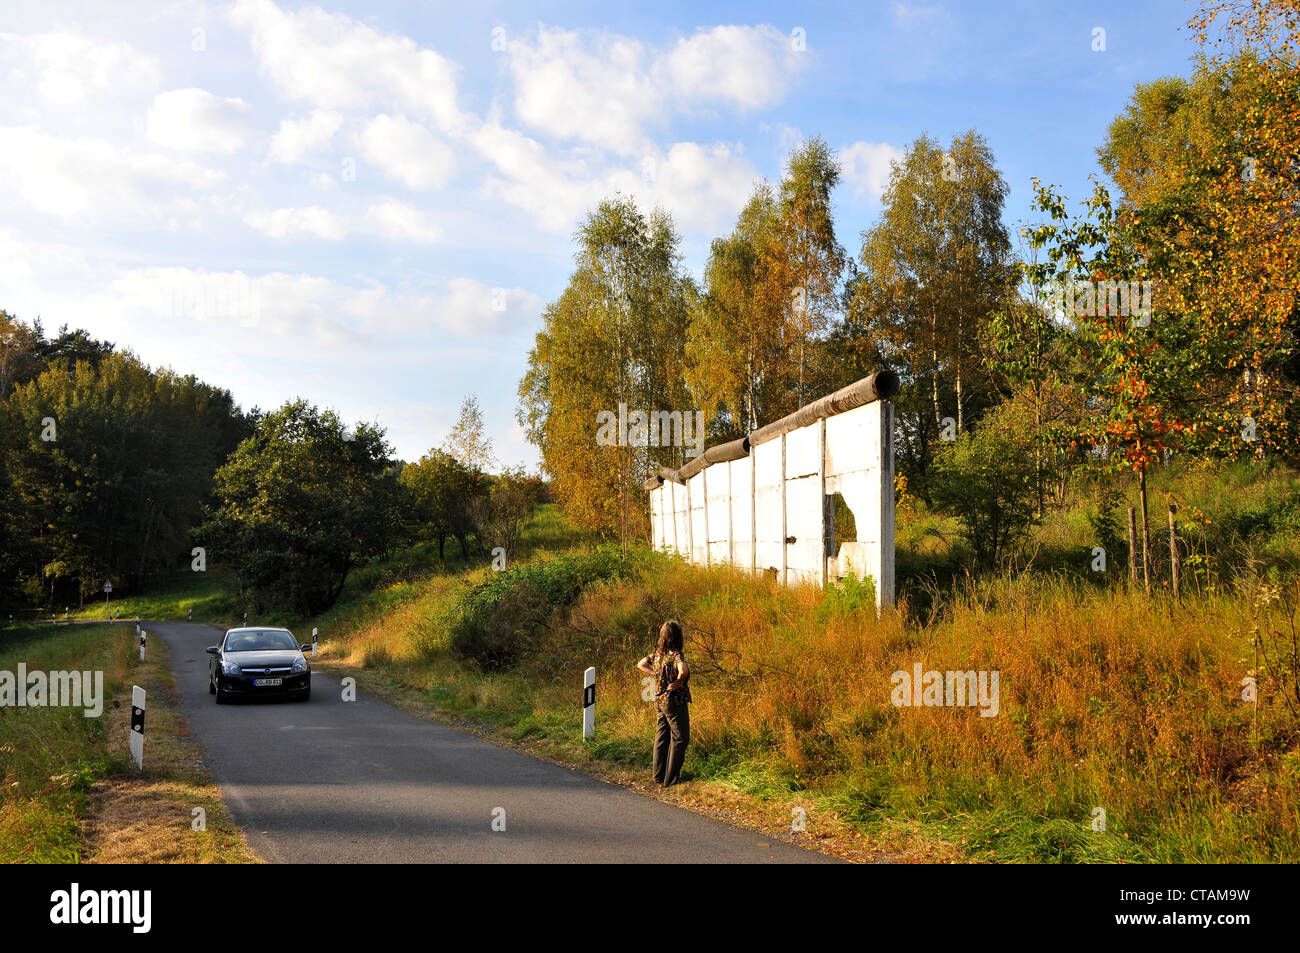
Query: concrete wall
(771, 510)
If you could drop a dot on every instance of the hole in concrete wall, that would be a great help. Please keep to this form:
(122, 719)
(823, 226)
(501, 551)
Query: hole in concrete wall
(840, 525)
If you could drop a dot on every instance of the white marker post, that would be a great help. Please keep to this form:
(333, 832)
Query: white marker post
(137, 727)
(314, 651)
(588, 704)
(142, 635)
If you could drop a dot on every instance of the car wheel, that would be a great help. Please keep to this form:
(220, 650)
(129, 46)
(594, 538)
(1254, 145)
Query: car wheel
(212, 688)
(221, 699)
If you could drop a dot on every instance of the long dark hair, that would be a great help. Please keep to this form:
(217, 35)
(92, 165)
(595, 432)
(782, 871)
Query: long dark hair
(670, 637)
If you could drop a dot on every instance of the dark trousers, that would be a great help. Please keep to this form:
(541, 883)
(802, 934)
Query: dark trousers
(672, 736)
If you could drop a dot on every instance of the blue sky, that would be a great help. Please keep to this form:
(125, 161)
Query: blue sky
(368, 204)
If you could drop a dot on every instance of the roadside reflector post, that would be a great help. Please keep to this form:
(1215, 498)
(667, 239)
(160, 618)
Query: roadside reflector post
(314, 650)
(142, 634)
(191, 616)
(137, 727)
(589, 704)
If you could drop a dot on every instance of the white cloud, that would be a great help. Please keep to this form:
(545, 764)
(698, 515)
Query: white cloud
(331, 61)
(297, 137)
(407, 152)
(69, 70)
(402, 222)
(194, 120)
(745, 67)
(607, 89)
(866, 167)
(702, 186)
(604, 96)
(84, 179)
(310, 222)
(469, 308)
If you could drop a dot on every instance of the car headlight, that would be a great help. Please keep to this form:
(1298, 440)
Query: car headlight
(299, 665)
(230, 668)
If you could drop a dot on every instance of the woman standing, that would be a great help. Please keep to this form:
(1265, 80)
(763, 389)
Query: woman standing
(670, 672)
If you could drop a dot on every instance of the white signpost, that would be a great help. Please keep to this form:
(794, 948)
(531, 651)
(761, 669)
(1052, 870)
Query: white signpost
(314, 633)
(589, 704)
(137, 727)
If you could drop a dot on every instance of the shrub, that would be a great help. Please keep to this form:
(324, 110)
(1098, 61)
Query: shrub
(496, 622)
(987, 479)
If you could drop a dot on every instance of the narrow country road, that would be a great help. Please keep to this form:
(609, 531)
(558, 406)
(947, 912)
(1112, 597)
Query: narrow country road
(329, 781)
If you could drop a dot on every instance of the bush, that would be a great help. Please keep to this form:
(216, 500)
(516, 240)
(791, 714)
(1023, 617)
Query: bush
(498, 621)
(987, 479)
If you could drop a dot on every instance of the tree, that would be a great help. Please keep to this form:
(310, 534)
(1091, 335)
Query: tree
(771, 293)
(615, 336)
(442, 497)
(299, 502)
(500, 514)
(803, 258)
(931, 272)
(986, 477)
(1208, 168)
(468, 441)
(109, 462)
(1135, 363)
(734, 350)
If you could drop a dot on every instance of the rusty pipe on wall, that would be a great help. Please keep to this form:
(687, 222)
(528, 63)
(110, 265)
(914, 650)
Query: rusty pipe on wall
(881, 385)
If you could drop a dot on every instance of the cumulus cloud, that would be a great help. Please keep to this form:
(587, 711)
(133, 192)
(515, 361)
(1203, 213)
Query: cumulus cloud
(194, 120)
(334, 62)
(86, 179)
(407, 152)
(701, 185)
(866, 166)
(607, 89)
(469, 308)
(70, 70)
(297, 137)
(401, 222)
(602, 94)
(745, 67)
(310, 222)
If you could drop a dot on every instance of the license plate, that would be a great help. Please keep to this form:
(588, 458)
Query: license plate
(267, 682)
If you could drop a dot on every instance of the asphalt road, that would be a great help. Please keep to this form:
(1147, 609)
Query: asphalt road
(328, 782)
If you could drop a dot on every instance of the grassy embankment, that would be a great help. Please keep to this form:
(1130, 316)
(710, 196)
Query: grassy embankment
(68, 794)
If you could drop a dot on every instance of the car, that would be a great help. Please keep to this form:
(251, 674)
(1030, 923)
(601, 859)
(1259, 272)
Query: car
(258, 662)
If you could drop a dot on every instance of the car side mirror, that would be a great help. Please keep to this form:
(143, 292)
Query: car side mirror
(213, 650)
(306, 647)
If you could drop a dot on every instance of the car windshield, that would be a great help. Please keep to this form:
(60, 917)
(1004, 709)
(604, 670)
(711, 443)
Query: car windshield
(260, 640)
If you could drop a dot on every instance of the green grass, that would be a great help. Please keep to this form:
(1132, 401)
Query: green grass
(206, 594)
(49, 757)
(67, 794)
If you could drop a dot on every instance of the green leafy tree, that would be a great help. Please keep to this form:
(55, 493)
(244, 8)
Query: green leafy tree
(987, 478)
(299, 503)
(616, 335)
(443, 494)
(930, 274)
